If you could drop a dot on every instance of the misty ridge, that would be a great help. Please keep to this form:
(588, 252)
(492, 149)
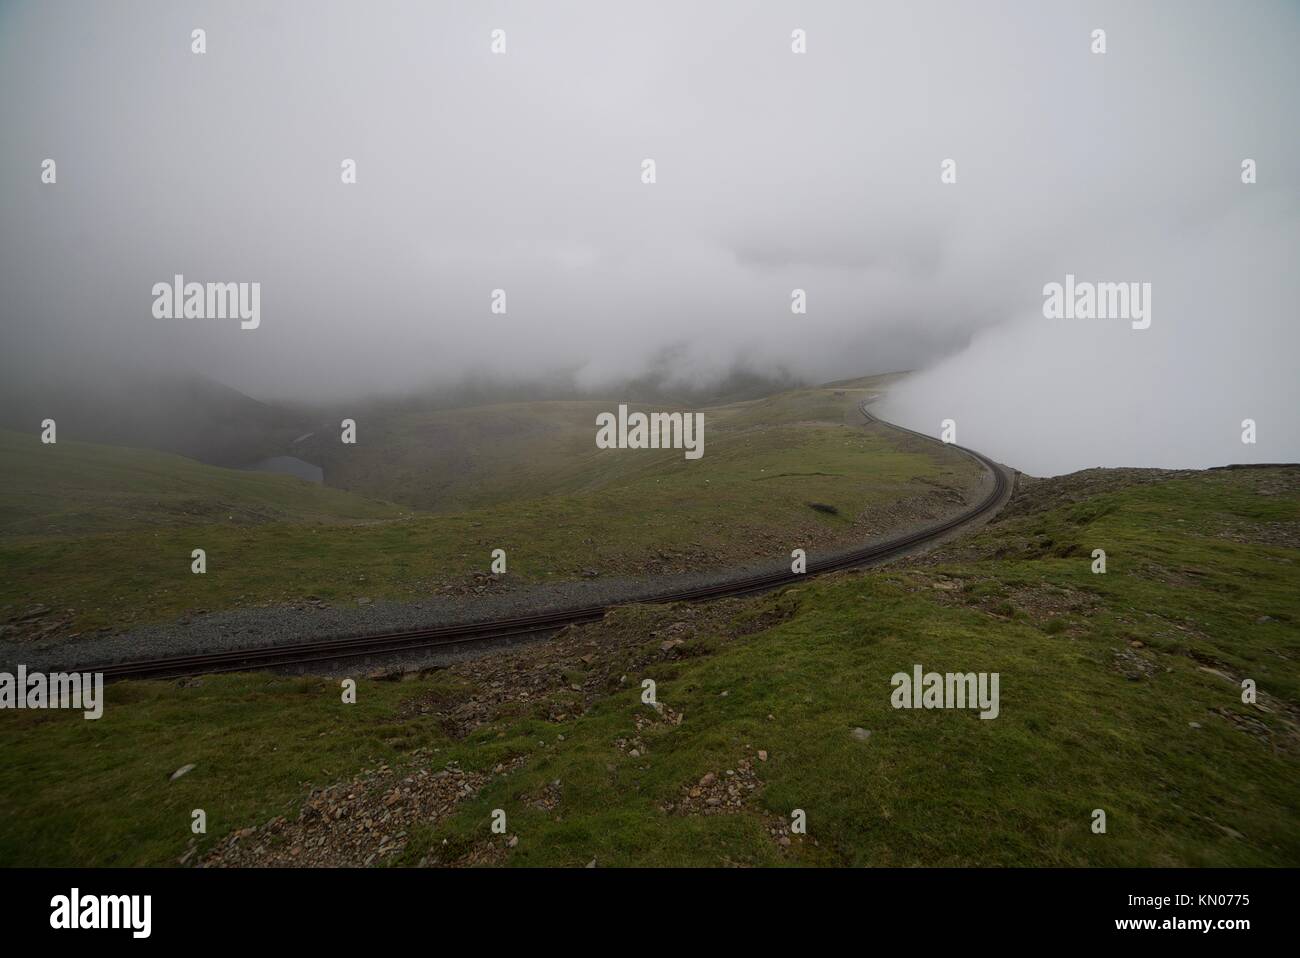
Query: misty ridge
(190, 414)
(473, 173)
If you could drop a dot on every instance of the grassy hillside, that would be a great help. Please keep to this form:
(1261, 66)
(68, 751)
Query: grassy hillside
(451, 460)
(1118, 691)
(146, 408)
(75, 488)
(107, 533)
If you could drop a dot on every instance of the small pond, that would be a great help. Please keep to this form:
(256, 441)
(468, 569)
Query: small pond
(289, 466)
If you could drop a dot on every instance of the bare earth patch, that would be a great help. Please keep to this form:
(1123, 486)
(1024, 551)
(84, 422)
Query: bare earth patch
(561, 678)
(361, 822)
(716, 793)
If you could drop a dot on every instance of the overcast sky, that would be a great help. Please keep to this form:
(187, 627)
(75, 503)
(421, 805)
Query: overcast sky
(775, 171)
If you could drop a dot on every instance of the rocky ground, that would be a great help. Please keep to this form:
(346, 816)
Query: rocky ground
(362, 822)
(365, 820)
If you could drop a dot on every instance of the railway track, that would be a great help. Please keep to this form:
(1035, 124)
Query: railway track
(369, 646)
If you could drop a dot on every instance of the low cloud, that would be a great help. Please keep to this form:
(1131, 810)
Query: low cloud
(776, 171)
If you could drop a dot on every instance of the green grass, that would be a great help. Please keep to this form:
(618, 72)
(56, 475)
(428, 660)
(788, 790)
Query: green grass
(256, 742)
(78, 488)
(109, 532)
(1200, 572)
(462, 459)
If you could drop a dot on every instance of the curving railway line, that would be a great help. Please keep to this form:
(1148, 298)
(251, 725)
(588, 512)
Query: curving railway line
(396, 643)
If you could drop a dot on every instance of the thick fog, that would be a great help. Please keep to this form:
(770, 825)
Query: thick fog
(775, 171)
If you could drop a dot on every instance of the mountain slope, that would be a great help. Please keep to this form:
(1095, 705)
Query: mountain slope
(1119, 691)
(105, 534)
